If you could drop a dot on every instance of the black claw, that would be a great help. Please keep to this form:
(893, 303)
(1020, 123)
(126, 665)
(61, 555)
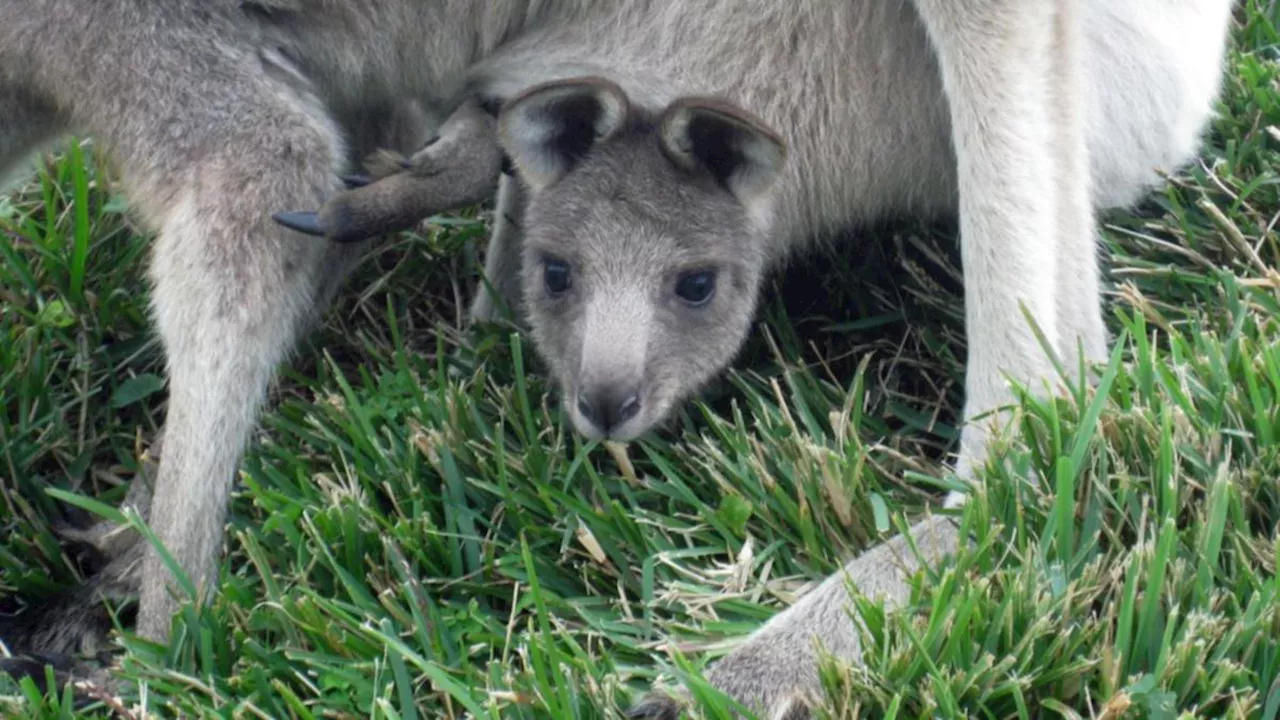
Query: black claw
(304, 222)
(356, 181)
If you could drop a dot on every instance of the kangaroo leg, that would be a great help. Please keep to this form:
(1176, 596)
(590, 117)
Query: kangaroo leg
(211, 136)
(233, 292)
(775, 672)
(997, 63)
(501, 284)
(1081, 328)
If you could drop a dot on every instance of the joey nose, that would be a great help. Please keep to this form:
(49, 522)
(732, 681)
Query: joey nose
(608, 407)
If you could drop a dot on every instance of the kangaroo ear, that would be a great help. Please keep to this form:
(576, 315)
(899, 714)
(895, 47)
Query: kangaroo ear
(733, 146)
(550, 127)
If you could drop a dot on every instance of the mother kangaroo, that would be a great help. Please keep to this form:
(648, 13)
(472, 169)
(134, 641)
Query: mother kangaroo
(1021, 116)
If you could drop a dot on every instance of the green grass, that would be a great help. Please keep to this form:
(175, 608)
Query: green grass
(418, 534)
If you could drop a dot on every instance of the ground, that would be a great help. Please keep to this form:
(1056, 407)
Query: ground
(417, 533)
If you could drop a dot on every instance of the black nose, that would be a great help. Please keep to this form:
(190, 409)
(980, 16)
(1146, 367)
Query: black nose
(609, 407)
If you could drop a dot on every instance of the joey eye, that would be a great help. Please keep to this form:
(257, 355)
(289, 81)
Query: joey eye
(556, 275)
(696, 288)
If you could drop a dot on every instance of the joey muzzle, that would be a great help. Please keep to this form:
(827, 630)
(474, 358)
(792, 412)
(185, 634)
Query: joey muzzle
(609, 407)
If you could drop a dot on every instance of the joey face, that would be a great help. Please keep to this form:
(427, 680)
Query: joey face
(639, 288)
(643, 245)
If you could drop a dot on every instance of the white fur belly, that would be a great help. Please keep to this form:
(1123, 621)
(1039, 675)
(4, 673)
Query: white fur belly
(868, 127)
(883, 147)
(1154, 69)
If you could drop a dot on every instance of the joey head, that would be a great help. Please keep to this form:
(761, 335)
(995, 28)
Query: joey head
(644, 243)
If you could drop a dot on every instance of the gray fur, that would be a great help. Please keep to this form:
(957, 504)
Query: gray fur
(1020, 116)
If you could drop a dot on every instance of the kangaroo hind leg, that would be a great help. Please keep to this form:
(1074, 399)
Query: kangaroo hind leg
(232, 294)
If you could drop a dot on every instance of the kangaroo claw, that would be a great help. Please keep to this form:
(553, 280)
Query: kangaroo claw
(306, 222)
